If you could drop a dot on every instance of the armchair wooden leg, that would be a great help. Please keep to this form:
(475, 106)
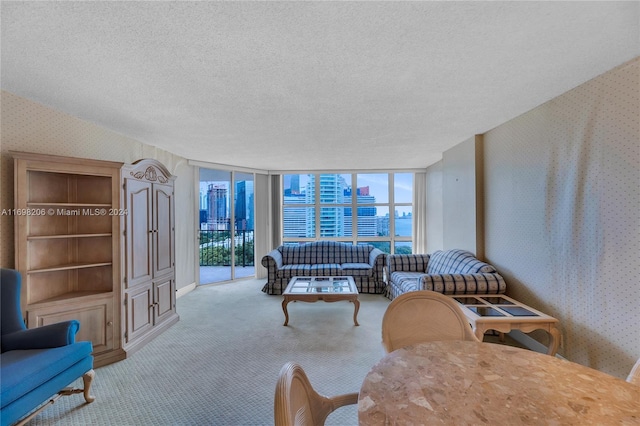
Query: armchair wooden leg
(87, 378)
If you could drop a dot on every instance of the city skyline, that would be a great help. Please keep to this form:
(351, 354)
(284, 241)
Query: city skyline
(215, 193)
(299, 205)
(372, 219)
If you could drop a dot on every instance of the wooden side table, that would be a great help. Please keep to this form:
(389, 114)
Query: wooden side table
(501, 313)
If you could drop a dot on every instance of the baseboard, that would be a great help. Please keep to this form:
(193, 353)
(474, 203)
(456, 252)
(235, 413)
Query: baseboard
(100, 360)
(133, 347)
(529, 342)
(184, 290)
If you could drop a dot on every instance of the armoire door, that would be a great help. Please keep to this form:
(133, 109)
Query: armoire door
(139, 229)
(163, 230)
(165, 299)
(139, 311)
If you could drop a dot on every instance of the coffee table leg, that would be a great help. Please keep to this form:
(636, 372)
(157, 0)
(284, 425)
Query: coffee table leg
(356, 308)
(286, 313)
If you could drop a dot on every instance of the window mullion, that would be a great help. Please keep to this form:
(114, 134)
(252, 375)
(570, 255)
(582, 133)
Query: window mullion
(392, 214)
(317, 206)
(354, 208)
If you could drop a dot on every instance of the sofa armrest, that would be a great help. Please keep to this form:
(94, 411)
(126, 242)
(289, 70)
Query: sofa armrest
(377, 260)
(376, 255)
(407, 262)
(47, 336)
(483, 283)
(273, 259)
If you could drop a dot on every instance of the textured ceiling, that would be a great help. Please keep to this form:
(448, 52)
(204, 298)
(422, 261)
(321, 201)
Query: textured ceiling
(308, 85)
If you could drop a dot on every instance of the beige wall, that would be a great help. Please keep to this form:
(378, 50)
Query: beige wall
(462, 213)
(562, 196)
(32, 127)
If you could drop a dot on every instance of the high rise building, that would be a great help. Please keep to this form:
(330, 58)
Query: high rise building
(367, 221)
(217, 218)
(295, 184)
(332, 188)
(244, 205)
(295, 218)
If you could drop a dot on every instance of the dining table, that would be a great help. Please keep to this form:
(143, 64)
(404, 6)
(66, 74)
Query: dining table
(476, 383)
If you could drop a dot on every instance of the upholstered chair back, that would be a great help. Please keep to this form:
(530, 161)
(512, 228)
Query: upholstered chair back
(11, 319)
(423, 316)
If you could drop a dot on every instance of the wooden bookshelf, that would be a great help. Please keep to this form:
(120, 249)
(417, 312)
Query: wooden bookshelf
(68, 246)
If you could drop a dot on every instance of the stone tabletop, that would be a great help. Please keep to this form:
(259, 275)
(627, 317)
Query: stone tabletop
(465, 383)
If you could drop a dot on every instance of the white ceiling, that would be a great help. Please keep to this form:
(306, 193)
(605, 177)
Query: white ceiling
(308, 85)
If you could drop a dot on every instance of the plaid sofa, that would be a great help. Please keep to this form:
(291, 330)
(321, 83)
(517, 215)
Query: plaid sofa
(447, 272)
(364, 263)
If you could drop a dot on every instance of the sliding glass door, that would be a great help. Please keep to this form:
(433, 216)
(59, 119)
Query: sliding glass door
(226, 225)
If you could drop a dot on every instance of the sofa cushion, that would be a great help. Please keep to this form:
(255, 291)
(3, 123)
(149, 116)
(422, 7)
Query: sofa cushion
(288, 271)
(491, 283)
(408, 262)
(295, 255)
(456, 262)
(325, 269)
(357, 269)
(25, 370)
(311, 253)
(406, 281)
(357, 254)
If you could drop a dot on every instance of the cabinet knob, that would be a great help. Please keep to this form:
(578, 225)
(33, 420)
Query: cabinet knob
(110, 323)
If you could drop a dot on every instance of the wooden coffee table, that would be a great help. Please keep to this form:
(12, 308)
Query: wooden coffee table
(501, 313)
(328, 289)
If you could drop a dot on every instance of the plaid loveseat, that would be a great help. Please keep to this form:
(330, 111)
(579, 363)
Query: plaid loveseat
(364, 263)
(447, 272)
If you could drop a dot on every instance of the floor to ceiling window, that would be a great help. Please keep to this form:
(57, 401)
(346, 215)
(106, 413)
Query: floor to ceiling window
(363, 208)
(403, 213)
(226, 225)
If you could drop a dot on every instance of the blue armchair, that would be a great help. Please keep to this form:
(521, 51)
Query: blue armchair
(36, 364)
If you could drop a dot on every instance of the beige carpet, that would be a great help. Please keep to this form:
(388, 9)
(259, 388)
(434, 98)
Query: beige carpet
(219, 364)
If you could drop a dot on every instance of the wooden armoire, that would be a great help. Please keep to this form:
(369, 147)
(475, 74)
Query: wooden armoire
(148, 266)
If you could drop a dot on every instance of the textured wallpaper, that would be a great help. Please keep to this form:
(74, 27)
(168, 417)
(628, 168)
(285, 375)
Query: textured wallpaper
(562, 197)
(32, 127)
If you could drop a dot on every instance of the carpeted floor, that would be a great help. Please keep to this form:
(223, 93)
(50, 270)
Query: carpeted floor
(219, 364)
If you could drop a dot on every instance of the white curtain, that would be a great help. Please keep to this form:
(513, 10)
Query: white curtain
(419, 213)
(262, 199)
(276, 210)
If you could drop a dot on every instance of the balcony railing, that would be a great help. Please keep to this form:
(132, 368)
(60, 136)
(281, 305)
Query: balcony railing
(215, 248)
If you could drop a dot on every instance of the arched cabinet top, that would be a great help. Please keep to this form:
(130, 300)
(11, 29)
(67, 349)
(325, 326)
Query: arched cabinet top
(147, 170)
